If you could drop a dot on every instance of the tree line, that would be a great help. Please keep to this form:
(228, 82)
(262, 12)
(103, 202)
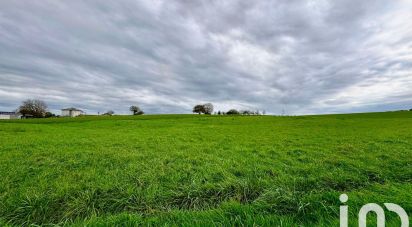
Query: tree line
(38, 109)
(208, 109)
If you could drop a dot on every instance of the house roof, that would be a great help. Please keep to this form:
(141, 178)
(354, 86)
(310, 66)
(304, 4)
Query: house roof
(7, 113)
(72, 109)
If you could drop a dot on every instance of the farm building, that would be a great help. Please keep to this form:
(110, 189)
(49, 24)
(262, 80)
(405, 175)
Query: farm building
(9, 115)
(71, 112)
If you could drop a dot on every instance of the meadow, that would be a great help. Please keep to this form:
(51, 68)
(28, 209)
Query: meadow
(196, 170)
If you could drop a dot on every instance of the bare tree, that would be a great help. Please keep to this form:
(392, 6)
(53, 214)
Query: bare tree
(208, 108)
(34, 107)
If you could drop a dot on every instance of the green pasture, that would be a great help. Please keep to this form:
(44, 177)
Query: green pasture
(196, 170)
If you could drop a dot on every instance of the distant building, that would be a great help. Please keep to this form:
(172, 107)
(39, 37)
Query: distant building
(9, 115)
(71, 112)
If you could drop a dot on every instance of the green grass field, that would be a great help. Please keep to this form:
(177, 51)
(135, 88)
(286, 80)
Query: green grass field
(190, 170)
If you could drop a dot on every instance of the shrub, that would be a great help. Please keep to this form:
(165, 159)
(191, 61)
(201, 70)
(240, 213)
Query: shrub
(232, 112)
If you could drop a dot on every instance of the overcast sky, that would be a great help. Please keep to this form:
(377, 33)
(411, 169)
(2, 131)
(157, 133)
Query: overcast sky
(296, 57)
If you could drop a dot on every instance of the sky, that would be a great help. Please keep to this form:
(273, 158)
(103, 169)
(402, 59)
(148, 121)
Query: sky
(285, 57)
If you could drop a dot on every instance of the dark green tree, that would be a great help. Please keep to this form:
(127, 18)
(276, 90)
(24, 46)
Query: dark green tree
(136, 110)
(198, 109)
(232, 112)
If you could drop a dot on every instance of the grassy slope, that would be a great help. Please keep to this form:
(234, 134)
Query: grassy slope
(185, 169)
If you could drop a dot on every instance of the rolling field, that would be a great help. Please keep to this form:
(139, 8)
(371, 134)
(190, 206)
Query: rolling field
(203, 170)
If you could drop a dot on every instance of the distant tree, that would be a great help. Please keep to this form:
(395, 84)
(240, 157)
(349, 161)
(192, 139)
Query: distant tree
(109, 113)
(232, 112)
(219, 113)
(208, 108)
(205, 108)
(49, 114)
(34, 107)
(136, 110)
(410, 110)
(263, 112)
(198, 109)
(246, 112)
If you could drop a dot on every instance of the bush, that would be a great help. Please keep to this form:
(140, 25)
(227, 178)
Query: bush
(49, 114)
(232, 112)
(109, 113)
(247, 112)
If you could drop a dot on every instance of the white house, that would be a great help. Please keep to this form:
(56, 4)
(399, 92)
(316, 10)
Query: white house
(9, 115)
(71, 112)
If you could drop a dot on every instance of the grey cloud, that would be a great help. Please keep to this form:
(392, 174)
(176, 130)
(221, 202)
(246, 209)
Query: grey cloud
(166, 56)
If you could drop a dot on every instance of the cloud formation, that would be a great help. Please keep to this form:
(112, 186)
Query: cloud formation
(166, 56)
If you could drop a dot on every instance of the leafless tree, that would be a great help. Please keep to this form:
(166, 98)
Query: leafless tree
(208, 108)
(36, 108)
